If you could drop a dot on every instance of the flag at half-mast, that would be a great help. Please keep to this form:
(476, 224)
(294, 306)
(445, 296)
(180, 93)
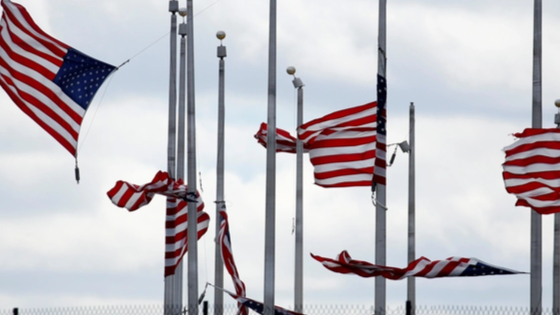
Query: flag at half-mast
(342, 146)
(531, 170)
(176, 229)
(48, 80)
(132, 197)
(421, 267)
(226, 250)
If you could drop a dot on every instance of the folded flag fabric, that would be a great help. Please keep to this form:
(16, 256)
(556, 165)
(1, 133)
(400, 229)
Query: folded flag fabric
(224, 241)
(421, 267)
(132, 197)
(258, 306)
(48, 80)
(342, 146)
(532, 169)
(285, 142)
(176, 230)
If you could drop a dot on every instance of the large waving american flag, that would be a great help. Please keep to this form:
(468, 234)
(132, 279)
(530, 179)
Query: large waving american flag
(421, 267)
(132, 197)
(224, 241)
(48, 80)
(532, 169)
(342, 146)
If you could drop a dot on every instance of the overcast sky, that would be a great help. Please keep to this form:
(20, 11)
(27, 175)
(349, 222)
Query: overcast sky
(466, 65)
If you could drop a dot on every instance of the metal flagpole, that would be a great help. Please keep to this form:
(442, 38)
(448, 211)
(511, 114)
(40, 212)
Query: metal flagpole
(411, 281)
(171, 137)
(219, 264)
(270, 216)
(556, 249)
(380, 210)
(178, 283)
(191, 168)
(298, 278)
(536, 219)
(556, 261)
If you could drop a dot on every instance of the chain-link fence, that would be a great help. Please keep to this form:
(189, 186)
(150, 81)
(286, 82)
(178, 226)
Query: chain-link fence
(308, 310)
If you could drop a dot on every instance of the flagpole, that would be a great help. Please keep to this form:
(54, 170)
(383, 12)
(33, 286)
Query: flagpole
(411, 281)
(219, 264)
(556, 267)
(270, 219)
(380, 213)
(298, 277)
(178, 282)
(171, 137)
(191, 168)
(556, 249)
(536, 218)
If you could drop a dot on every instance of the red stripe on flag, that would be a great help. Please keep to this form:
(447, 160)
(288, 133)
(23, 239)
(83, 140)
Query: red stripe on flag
(531, 170)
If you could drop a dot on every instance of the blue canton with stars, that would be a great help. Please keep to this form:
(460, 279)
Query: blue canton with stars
(80, 76)
(259, 307)
(381, 102)
(482, 269)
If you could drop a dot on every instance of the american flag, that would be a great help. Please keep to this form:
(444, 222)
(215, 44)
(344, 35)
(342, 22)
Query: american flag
(48, 80)
(342, 146)
(421, 267)
(132, 197)
(224, 242)
(176, 232)
(258, 306)
(380, 171)
(532, 169)
(285, 142)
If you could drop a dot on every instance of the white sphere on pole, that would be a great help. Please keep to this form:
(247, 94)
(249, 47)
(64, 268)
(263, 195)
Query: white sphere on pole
(183, 12)
(291, 70)
(557, 103)
(221, 35)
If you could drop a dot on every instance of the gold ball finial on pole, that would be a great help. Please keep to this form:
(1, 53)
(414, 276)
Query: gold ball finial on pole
(296, 81)
(183, 13)
(291, 70)
(557, 116)
(221, 49)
